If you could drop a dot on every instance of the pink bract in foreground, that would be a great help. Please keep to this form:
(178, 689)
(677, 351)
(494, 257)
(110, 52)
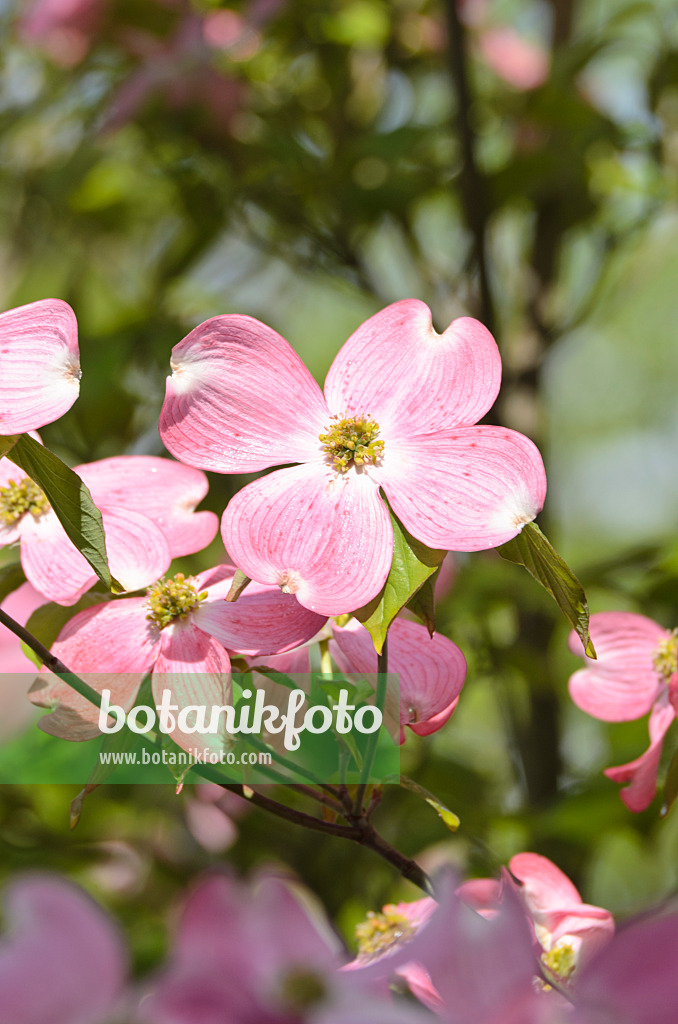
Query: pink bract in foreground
(39, 365)
(636, 673)
(399, 413)
(147, 508)
(179, 632)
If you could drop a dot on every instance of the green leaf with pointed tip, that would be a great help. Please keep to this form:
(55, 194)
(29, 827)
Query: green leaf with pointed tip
(449, 818)
(531, 549)
(70, 499)
(671, 784)
(423, 603)
(7, 442)
(412, 565)
(11, 578)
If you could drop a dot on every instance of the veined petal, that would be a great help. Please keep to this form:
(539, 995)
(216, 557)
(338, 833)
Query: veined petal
(39, 365)
(325, 538)
(161, 489)
(465, 490)
(398, 370)
(112, 647)
(197, 672)
(641, 774)
(623, 683)
(240, 399)
(544, 886)
(431, 669)
(262, 621)
(137, 553)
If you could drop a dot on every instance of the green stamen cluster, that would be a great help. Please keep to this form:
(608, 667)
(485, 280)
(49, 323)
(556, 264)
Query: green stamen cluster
(302, 989)
(172, 599)
(560, 961)
(665, 657)
(381, 931)
(352, 440)
(18, 498)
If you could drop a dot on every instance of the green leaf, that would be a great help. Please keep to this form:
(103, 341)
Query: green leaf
(531, 549)
(11, 578)
(48, 620)
(412, 565)
(71, 501)
(671, 784)
(423, 603)
(7, 442)
(449, 818)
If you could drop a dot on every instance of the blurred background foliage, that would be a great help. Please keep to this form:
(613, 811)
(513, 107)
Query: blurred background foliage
(307, 162)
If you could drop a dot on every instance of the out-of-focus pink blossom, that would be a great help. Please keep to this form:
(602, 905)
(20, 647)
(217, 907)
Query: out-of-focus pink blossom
(64, 29)
(180, 632)
(520, 62)
(39, 365)
(62, 960)
(257, 954)
(17, 672)
(210, 813)
(147, 505)
(399, 413)
(636, 673)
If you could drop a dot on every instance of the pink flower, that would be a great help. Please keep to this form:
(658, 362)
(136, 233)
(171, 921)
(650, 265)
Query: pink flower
(39, 365)
(179, 632)
(147, 507)
(431, 670)
(257, 954)
(61, 959)
(521, 63)
(566, 930)
(17, 672)
(399, 411)
(636, 672)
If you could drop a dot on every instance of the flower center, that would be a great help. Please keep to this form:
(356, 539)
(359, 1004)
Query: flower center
(18, 498)
(665, 656)
(560, 961)
(173, 599)
(352, 440)
(381, 931)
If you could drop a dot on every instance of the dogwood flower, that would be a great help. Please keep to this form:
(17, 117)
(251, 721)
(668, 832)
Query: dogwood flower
(636, 673)
(431, 670)
(147, 508)
(61, 959)
(17, 672)
(399, 413)
(39, 364)
(180, 632)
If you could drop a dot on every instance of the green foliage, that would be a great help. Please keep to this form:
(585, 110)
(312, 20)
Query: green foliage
(413, 563)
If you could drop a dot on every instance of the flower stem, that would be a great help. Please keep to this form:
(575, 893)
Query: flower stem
(373, 739)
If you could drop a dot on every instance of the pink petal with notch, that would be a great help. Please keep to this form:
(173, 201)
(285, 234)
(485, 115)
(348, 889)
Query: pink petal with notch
(39, 365)
(432, 670)
(262, 621)
(397, 369)
(464, 490)
(326, 537)
(165, 491)
(240, 399)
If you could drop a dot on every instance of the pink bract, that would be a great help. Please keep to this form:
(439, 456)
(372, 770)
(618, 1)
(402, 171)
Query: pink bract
(39, 365)
(431, 670)
(626, 682)
(17, 671)
(61, 959)
(240, 400)
(114, 645)
(147, 507)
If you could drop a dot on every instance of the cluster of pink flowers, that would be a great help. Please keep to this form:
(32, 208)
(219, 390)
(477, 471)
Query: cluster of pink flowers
(262, 951)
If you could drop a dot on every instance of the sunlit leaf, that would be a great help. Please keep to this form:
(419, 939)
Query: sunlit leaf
(531, 549)
(449, 818)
